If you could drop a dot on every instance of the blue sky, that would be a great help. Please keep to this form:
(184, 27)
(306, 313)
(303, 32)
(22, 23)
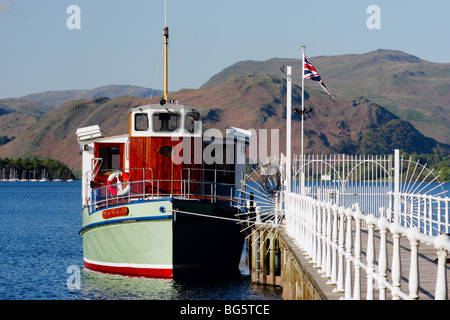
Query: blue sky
(120, 42)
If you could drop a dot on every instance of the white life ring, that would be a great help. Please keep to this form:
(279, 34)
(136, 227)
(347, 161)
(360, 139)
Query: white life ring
(117, 188)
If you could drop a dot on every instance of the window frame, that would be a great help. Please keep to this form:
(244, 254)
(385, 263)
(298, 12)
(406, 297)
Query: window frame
(156, 115)
(136, 122)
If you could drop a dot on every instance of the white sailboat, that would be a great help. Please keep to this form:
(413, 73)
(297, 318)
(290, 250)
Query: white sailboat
(34, 176)
(24, 176)
(56, 177)
(43, 176)
(4, 175)
(12, 175)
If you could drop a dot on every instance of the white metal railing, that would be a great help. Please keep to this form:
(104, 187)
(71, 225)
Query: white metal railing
(430, 214)
(370, 181)
(344, 179)
(331, 236)
(151, 189)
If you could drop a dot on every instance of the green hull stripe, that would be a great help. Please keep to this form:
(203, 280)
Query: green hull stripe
(125, 220)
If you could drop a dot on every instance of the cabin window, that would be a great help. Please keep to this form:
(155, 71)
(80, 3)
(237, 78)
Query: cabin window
(141, 122)
(191, 118)
(166, 122)
(111, 158)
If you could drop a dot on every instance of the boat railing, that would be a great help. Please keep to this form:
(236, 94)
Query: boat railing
(191, 186)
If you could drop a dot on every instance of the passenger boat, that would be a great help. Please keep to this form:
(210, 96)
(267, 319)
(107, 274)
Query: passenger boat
(159, 201)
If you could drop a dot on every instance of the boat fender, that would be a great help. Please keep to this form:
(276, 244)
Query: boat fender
(119, 189)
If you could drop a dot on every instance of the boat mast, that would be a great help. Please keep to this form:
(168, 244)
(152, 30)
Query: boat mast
(166, 43)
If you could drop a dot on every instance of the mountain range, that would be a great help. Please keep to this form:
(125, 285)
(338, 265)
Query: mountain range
(58, 98)
(413, 89)
(378, 95)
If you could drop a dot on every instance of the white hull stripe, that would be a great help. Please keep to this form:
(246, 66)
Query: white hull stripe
(129, 265)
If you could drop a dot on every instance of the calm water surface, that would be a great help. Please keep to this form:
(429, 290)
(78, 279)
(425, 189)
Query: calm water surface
(39, 241)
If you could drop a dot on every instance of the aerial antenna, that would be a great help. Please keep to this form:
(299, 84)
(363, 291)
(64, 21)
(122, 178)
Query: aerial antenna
(166, 43)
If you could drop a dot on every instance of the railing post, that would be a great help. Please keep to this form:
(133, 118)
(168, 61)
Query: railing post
(258, 214)
(318, 236)
(348, 248)
(334, 258)
(307, 226)
(324, 238)
(396, 185)
(143, 182)
(370, 219)
(304, 211)
(294, 215)
(383, 257)
(447, 207)
(340, 276)
(314, 231)
(328, 241)
(290, 224)
(297, 221)
(441, 242)
(396, 261)
(357, 290)
(430, 214)
(414, 268)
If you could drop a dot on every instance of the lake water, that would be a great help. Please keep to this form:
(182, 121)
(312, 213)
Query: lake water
(39, 242)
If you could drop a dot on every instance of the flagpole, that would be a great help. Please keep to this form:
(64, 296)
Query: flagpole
(288, 126)
(302, 181)
(303, 91)
(166, 61)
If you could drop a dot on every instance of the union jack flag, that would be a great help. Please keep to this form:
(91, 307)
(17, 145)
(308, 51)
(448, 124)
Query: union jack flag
(311, 73)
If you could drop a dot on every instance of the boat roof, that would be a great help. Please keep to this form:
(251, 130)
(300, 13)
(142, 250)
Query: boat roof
(111, 139)
(171, 106)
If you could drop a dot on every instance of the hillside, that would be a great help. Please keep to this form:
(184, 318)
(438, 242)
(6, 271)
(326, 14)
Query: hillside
(252, 95)
(259, 101)
(249, 101)
(58, 98)
(413, 89)
(20, 105)
(398, 134)
(17, 115)
(54, 135)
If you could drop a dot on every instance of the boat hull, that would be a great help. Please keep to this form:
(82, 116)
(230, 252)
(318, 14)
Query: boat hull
(209, 243)
(163, 238)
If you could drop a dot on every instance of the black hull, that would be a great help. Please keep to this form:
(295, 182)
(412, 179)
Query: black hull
(206, 245)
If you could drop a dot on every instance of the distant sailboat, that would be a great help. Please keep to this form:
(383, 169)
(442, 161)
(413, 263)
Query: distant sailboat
(34, 176)
(12, 175)
(24, 176)
(56, 177)
(43, 176)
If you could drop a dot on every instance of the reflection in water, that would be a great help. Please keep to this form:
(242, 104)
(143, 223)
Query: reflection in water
(98, 286)
(102, 286)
